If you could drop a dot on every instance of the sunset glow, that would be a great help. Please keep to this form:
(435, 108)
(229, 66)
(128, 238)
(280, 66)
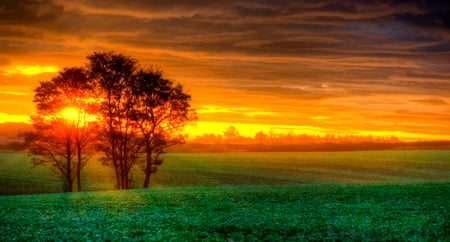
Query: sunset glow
(327, 67)
(29, 70)
(70, 114)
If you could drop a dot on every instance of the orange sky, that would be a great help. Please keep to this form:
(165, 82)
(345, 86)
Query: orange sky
(337, 67)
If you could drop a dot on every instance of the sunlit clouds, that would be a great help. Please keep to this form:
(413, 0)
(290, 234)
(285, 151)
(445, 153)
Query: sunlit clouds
(13, 93)
(238, 110)
(28, 69)
(342, 67)
(4, 117)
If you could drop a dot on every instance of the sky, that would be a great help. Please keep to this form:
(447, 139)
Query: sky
(316, 67)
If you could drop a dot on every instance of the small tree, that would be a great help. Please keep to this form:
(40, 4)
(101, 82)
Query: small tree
(63, 125)
(162, 109)
(261, 137)
(52, 143)
(231, 134)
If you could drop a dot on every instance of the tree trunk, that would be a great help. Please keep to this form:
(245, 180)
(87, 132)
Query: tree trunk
(113, 156)
(69, 166)
(148, 168)
(125, 162)
(112, 141)
(79, 166)
(116, 166)
(122, 172)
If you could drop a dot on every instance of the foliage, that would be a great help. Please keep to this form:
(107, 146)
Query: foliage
(358, 212)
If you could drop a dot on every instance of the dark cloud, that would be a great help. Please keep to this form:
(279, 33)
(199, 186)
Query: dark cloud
(441, 47)
(29, 11)
(431, 13)
(439, 19)
(428, 5)
(393, 30)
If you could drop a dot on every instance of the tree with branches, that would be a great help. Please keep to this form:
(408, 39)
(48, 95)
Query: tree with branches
(141, 112)
(162, 109)
(64, 124)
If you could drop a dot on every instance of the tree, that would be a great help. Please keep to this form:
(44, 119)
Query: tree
(162, 109)
(141, 112)
(114, 76)
(63, 125)
(260, 137)
(231, 134)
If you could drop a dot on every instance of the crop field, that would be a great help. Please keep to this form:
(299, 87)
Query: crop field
(372, 195)
(242, 213)
(231, 169)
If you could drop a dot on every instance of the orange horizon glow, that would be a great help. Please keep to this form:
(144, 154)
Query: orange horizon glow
(249, 130)
(200, 128)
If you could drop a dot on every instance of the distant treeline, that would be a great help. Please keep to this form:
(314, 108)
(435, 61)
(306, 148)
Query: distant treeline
(231, 136)
(196, 147)
(9, 135)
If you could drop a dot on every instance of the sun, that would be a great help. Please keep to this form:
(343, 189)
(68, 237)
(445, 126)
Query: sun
(70, 113)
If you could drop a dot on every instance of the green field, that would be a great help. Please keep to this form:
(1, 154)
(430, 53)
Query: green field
(372, 195)
(241, 213)
(225, 169)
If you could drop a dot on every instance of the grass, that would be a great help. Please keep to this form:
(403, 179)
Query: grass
(233, 169)
(374, 195)
(329, 212)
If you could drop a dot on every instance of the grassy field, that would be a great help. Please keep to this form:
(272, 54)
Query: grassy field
(224, 169)
(374, 212)
(371, 195)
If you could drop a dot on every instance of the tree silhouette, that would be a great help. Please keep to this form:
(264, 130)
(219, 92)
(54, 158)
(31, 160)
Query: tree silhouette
(231, 134)
(62, 126)
(141, 111)
(260, 137)
(162, 109)
(114, 76)
(130, 113)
